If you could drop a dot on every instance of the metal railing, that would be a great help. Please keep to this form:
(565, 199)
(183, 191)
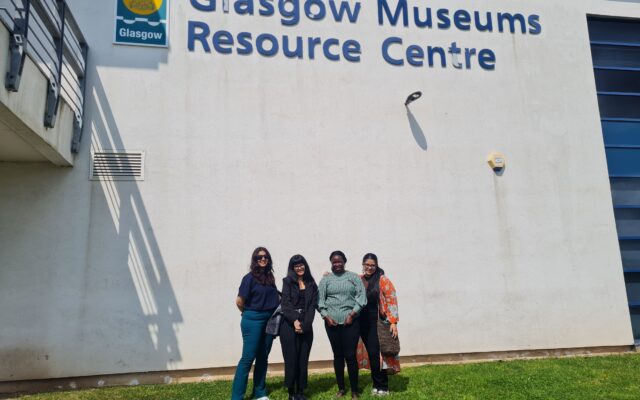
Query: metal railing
(46, 31)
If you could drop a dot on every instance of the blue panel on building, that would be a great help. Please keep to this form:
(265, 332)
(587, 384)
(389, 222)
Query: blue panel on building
(615, 47)
(618, 133)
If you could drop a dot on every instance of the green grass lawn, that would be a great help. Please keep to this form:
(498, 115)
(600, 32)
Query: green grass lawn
(611, 377)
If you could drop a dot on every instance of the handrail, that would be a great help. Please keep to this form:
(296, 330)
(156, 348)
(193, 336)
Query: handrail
(47, 32)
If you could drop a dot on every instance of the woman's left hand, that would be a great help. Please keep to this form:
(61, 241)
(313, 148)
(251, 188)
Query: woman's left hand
(297, 326)
(349, 320)
(394, 331)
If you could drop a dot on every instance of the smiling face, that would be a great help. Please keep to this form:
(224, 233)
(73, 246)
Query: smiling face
(369, 267)
(262, 259)
(337, 264)
(299, 270)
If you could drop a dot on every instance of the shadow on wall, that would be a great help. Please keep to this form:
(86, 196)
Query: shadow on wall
(84, 289)
(416, 130)
(132, 312)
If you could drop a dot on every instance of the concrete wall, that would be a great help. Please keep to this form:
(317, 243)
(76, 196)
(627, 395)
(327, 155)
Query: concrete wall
(307, 157)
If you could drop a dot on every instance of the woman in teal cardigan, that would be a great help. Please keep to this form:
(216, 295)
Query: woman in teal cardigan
(341, 296)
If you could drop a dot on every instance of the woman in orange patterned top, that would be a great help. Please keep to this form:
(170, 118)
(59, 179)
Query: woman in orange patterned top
(381, 303)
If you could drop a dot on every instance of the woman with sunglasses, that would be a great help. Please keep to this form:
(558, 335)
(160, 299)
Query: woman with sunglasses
(341, 296)
(299, 302)
(257, 300)
(381, 303)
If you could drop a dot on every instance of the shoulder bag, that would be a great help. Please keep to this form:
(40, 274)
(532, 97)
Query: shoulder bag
(274, 322)
(388, 345)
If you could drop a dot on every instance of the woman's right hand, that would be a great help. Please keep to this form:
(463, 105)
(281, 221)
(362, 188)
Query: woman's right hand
(240, 303)
(297, 326)
(330, 321)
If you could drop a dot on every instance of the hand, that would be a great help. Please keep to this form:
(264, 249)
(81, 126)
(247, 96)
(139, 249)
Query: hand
(240, 304)
(394, 331)
(349, 319)
(330, 321)
(297, 326)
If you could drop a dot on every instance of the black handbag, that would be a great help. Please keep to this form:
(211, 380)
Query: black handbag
(274, 322)
(388, 345)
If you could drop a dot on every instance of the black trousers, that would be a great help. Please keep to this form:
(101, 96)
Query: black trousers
(369, 335)
(344, 343)
(295, 351)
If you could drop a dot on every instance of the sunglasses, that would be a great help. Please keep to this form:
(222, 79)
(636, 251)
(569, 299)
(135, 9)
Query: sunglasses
(258, 258)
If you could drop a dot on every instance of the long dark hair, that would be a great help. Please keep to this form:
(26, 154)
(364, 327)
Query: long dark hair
(373, 288)
(264, 276)
(291, 273)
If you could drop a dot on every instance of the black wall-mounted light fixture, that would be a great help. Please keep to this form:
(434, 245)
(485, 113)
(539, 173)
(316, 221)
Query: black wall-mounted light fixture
(412, 97)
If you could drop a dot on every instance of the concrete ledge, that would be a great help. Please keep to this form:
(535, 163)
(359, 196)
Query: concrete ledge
(9, 389)
(22, 112)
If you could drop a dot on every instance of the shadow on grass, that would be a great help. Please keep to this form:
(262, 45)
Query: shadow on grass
(398, 383)
(273, 385)
(324, 384)
(318, 384)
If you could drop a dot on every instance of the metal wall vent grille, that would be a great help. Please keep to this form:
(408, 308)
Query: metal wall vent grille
(117, 165)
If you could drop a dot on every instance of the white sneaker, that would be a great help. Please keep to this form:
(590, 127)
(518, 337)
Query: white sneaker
(263, 398)
(383, 392)
(374, 392)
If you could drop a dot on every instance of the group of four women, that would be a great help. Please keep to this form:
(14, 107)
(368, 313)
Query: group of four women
(350, 306)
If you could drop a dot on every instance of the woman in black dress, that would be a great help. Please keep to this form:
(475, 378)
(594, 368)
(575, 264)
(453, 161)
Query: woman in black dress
(299, 302)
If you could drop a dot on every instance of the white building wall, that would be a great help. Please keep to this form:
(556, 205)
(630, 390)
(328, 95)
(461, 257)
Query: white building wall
(307, 157)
